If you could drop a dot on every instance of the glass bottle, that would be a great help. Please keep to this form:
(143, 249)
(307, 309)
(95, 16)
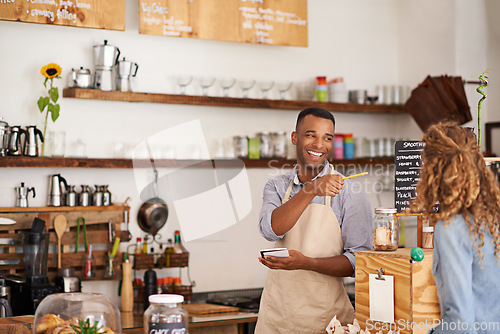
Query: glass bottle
(138, 247)
(178, 247)
(385, 230)
(168, 252)
(145, 245)
(165, 314)
(428, 237)
(89, 264)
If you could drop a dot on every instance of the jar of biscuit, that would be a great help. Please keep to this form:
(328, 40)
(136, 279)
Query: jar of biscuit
(165, 314)
(385, 230)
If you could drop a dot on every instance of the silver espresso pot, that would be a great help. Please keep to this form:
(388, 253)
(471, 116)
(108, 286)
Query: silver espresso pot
(56, 191)
(4, 137)
(105, 55)
(31, 141)
(22, 195)
(15, 146)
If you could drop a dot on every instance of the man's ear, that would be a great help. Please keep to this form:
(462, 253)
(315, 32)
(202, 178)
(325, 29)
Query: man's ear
(294, 138)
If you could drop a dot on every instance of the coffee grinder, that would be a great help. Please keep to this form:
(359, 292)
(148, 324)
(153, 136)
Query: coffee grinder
(27, 296)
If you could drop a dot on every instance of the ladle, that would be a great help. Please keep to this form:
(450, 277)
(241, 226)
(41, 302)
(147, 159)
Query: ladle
(60, 224)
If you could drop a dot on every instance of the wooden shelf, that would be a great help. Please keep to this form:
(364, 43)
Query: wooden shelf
(96, 94)
(42, 162)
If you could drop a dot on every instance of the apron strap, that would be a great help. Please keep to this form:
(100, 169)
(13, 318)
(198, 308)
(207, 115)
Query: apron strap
(328, 199)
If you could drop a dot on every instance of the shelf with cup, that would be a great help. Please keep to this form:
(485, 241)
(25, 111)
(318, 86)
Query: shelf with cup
(100, 222)
(96, 94)
(43, 162)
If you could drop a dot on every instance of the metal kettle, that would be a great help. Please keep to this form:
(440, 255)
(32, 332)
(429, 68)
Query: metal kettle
(55, 190)
(81, 78)
(31, 142)
(22, 195)
(15, 146)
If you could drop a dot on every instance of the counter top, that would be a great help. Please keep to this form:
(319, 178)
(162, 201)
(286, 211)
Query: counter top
(132, 323)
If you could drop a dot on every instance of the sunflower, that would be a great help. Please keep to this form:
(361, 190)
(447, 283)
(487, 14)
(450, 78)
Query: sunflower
(51, 70)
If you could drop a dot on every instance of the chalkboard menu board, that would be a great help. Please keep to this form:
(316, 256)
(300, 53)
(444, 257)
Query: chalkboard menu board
(280, 22)
(100, 14)
(407, 173)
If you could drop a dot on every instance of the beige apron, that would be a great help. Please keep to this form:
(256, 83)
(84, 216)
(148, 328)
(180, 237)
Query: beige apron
(302, 301)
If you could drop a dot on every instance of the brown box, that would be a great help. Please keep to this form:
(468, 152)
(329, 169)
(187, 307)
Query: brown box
(179, 260)
(415, 294)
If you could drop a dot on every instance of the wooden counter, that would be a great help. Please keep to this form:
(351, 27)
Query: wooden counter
(132, 323)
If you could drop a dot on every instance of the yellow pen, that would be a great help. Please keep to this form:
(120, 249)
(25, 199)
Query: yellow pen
(349, 177)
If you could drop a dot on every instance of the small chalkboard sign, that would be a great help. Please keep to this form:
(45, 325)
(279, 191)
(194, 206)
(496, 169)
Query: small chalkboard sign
(408, 163)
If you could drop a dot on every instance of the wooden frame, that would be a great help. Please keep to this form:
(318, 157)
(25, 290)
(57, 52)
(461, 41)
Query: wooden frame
(488, 137)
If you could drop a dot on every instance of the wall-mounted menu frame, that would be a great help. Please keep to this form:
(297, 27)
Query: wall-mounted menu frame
(99, 14)
(408, 162)
(275, 22)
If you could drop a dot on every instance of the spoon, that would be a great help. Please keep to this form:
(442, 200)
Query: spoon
(60, 224)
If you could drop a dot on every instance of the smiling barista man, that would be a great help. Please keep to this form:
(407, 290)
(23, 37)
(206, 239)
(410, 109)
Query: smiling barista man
(322, 220)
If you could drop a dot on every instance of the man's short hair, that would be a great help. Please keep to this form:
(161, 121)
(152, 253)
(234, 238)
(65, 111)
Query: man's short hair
(318, 112)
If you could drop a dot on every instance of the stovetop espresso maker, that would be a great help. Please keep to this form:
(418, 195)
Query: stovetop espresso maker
(105, 58)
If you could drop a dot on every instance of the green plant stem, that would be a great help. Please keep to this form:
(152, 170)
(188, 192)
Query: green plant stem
(45, 125)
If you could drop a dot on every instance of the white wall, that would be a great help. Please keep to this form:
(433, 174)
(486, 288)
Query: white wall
(368, 42)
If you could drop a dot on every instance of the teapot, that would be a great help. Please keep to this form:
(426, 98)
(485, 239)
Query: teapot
(81, 78)
(31, 142)
(15, 146)
(55, 190)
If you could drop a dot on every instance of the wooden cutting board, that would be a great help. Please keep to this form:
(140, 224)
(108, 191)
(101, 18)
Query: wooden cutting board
(209, 309)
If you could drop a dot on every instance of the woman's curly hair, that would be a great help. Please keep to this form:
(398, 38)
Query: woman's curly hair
(455, 175)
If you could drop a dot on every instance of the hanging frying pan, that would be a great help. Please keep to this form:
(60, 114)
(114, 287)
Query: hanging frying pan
(153, 213)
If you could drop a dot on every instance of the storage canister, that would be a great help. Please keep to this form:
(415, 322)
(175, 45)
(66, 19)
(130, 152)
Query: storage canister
(321, 89)
(165, 314)
(338, 147)
(348, 146)
(265, 145)
(385, 230)
(279, 144)
(427, 237)
(240, 144)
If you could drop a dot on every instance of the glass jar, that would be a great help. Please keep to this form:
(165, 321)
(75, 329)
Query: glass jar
(62, 310)
(428, 237)
(279, 142)
(165, 314)
(240, 145)
(265, 145)
(385, 230)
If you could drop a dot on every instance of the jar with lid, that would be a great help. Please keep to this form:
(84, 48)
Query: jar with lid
(240, 144)
(385, 230)
(165, 314)
(265, 145)
(428, 237)
(279, 143)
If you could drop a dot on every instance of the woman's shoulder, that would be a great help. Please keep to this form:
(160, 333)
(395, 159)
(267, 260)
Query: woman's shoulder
(456, 226)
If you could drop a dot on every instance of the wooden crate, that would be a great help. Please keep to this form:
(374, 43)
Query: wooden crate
(144, 261)
(96, 219)
(415, 293)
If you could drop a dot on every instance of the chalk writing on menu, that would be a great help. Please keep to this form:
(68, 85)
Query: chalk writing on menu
(251, 21)
(408, 162)
(77, 13)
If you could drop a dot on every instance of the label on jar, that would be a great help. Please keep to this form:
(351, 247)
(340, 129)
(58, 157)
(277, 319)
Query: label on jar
(167, 328)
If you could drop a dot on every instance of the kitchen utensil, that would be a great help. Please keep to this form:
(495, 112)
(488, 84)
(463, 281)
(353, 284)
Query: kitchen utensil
(31, 141)
(6, 221)
(15, 145)
(358, 96)
(84, 198)
(60, 225)
(81, 78)
(98, 196)
(84, 227)
(9, 241)
(4, 137)
(126, 70)
(55, 190)
(35, 251)
(71, 196)
(105, 55)
(103, 79)
(125, 235)
(22, 195)
(5, 308)
(111, 231)
(106, 195)
(67, 281)
(154, 212)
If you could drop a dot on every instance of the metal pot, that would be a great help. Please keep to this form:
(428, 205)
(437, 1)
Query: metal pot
(81, 78)
(154, 212)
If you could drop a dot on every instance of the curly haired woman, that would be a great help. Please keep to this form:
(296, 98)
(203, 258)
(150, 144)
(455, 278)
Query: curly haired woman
(466, 264)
